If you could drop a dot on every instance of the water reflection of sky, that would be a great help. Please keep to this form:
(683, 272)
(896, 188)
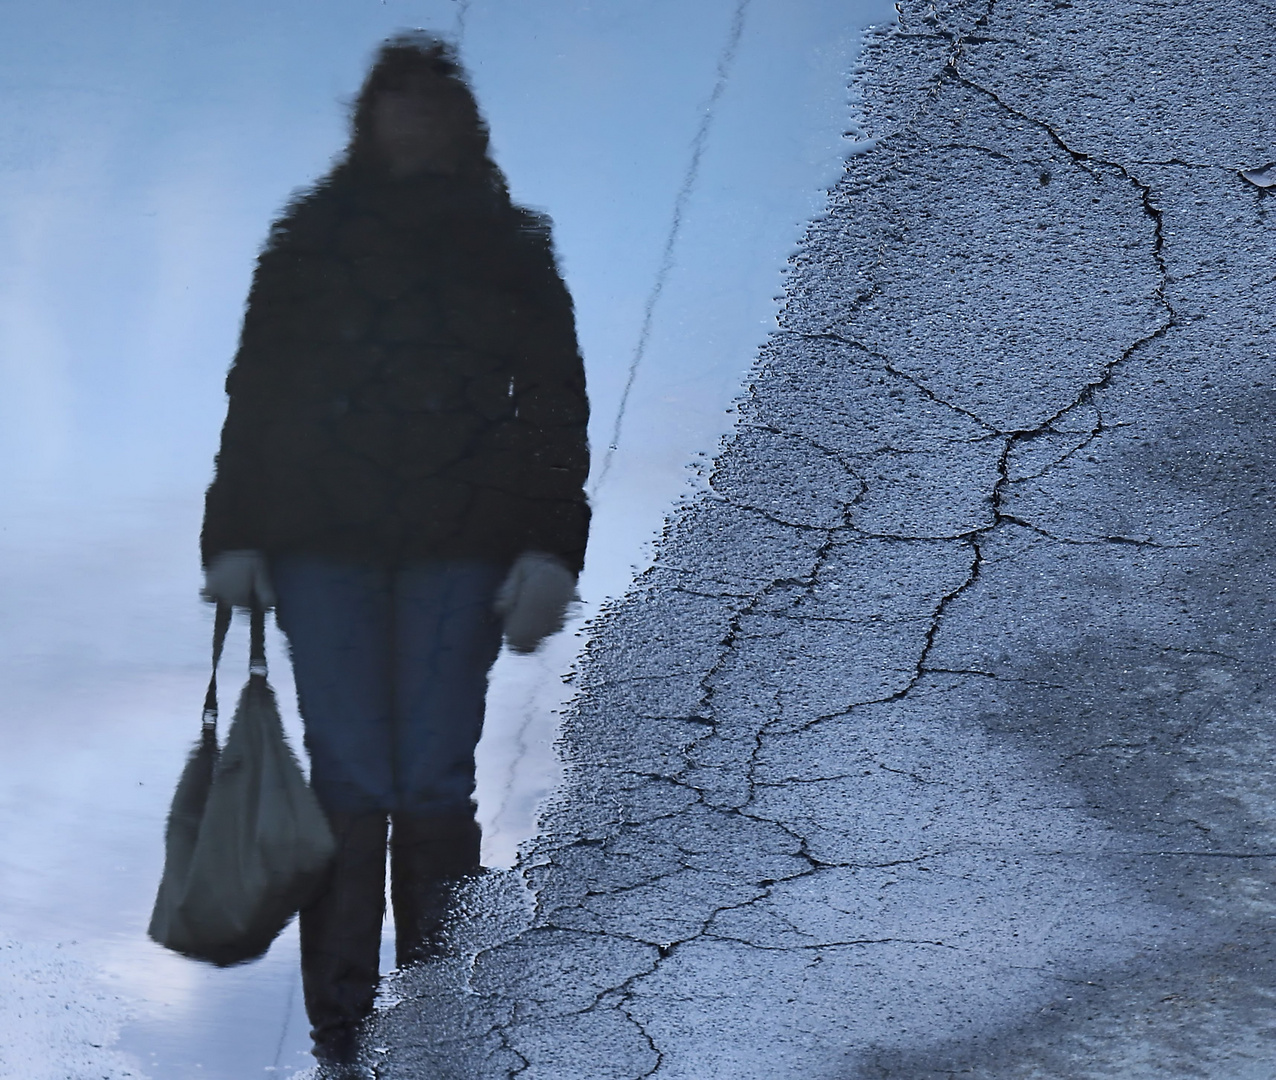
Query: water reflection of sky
(144, 148)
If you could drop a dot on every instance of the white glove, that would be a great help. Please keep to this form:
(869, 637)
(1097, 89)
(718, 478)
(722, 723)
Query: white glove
(534, 598)
(239, 578)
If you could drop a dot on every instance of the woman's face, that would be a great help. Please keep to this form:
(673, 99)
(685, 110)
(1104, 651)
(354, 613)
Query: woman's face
(418, 129)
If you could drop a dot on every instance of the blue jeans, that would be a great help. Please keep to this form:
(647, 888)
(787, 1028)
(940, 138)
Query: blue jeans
(391, 671)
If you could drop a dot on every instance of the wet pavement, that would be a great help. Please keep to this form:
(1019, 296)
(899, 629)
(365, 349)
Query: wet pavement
(938, 739)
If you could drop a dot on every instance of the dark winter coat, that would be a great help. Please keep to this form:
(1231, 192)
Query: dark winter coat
(408, 384)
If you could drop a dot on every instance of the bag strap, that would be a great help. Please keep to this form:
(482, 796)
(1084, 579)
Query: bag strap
(221, 624)
(256, 658)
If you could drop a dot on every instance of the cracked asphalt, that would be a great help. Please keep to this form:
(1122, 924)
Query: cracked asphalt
(938, 740)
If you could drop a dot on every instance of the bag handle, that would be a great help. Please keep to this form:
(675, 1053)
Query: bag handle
(221, 624)
(256, 658)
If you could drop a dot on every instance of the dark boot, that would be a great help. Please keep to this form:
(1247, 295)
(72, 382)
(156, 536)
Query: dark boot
(428, 855)
(341, 937)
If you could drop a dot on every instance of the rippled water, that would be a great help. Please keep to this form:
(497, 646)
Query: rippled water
(144, 149)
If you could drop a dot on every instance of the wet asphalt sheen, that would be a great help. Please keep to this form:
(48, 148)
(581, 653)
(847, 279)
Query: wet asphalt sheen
(938, 742)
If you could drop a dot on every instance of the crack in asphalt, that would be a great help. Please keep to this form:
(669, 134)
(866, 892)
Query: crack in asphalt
(1013, 437)
(1113, 538)
(999, 519)
(815, 946)
(999, 678)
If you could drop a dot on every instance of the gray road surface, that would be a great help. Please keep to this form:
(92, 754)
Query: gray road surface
(938, 742)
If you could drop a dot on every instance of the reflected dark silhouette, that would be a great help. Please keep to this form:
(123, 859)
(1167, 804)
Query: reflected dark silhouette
(401, 475)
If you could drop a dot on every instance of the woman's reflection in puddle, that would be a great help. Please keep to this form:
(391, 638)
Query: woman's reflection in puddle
(401, 476)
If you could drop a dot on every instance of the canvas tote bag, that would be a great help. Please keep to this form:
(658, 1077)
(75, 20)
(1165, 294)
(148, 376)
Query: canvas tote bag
(247, 843)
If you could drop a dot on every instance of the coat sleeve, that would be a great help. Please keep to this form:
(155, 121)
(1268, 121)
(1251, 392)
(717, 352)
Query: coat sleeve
(552, 409)
(235, 499)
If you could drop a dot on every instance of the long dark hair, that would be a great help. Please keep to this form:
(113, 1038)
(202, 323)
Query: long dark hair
(420, 55)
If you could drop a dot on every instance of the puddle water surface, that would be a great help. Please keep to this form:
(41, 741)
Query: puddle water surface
(146, 149)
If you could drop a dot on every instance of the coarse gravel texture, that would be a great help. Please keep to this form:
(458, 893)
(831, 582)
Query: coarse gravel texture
(938, 741)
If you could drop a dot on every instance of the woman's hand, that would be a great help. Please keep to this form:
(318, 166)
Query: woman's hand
(534, 598)
(239, 578)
